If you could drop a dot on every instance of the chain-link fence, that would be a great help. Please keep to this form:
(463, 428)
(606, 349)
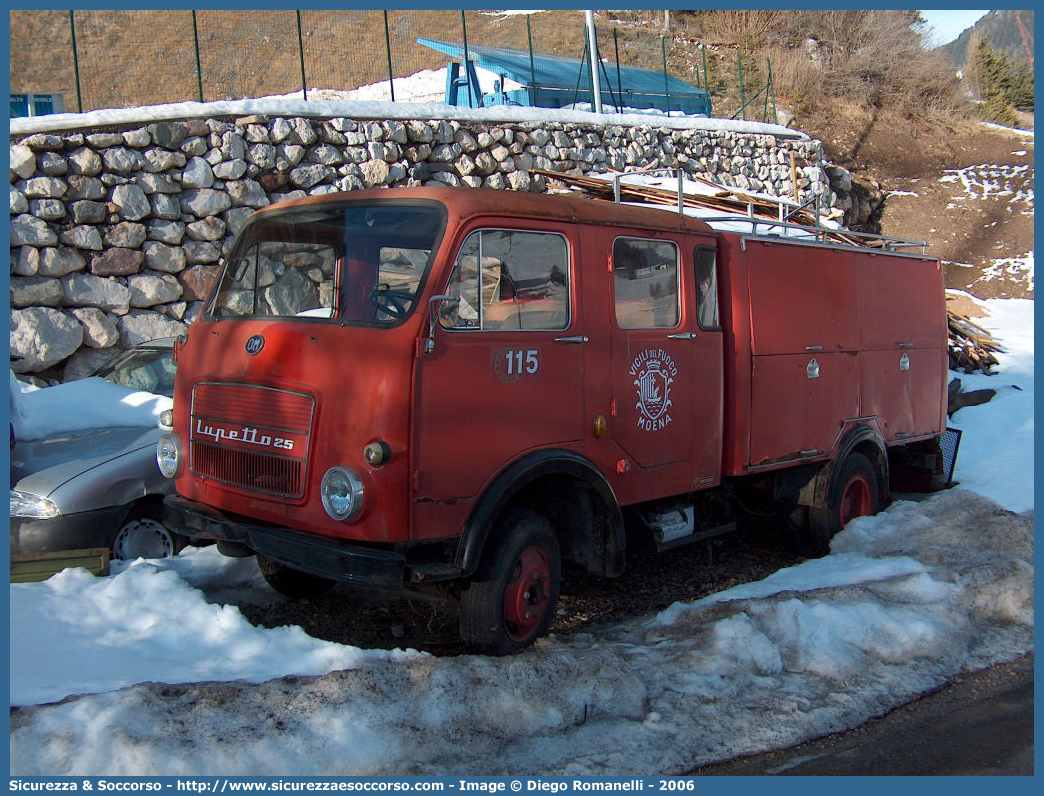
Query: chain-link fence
(93, 59)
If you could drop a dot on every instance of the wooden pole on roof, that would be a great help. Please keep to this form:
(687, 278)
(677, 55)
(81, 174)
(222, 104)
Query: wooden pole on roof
(793, 176)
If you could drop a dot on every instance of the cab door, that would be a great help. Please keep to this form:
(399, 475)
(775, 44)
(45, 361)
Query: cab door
(506, 374)
(666, 383)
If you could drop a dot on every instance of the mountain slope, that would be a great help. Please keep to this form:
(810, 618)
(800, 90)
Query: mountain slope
(1009, 31)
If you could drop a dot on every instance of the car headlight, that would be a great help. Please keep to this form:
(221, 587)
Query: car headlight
(342, 493)
(168, 455)
(34, 507)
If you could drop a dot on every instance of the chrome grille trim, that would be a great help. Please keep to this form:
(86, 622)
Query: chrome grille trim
(261, 410)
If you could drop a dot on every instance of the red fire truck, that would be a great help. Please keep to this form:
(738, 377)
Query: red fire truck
(466, 391)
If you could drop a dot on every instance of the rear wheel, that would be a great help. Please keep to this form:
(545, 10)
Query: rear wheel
(511, 600)
(292, 582)
(853, 493)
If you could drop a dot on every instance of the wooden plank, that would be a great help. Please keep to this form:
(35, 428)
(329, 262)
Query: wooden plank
(32, 567)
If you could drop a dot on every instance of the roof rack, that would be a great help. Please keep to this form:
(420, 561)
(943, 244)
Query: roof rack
(766, 215)
(770, 227)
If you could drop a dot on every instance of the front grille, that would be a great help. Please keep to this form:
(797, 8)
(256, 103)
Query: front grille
(254, 438)
(274, 475)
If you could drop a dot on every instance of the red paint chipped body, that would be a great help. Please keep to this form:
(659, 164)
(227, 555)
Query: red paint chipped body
(425, 386)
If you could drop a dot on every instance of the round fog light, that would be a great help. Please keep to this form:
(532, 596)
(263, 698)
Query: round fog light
(342, 493)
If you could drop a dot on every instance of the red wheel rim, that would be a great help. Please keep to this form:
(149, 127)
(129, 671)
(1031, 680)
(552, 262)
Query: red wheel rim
(857, 499)
(528, 593)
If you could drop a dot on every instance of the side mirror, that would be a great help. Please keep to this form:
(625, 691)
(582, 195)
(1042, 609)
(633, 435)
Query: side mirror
(434, 308)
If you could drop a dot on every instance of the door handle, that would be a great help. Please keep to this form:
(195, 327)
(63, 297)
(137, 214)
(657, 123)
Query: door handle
(682, 336)
(578, 338)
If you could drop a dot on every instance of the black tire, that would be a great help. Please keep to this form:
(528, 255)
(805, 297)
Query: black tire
(293, 582)
(854, 492)
(512, 598)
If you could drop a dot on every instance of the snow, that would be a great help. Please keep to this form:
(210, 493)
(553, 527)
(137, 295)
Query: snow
(418, 96)
(37, 413)
(173, 680)
(996, 453)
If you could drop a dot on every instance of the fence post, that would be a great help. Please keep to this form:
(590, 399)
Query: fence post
(619, 83)
(387, 46)
(199, 66)
(666, 85)
(743, 100)
(76, 63)
(532, 64)
(768, 86)
(467, 59)
(772, 88)
(300, 50)
(706, 74)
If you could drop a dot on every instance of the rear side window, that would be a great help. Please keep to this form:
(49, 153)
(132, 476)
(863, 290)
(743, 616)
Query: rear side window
(645, 283)
(706, 288)
(507, 279)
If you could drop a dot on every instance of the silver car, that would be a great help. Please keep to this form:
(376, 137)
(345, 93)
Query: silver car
(99, 487)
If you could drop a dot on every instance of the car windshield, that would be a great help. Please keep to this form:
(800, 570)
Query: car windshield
(357, 262)
(144, 368)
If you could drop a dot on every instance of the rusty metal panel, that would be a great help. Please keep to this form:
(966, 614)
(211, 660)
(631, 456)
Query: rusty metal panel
(801, 297)
(799, 403)
(901, 303)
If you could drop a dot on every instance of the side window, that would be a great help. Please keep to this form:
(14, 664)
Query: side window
(509, 279)
(706, 288)
(645, 283)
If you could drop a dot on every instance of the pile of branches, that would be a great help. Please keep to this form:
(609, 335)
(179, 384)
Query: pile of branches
(972, 348)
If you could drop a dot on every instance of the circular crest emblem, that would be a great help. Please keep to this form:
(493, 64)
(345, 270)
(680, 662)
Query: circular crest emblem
(255, 344)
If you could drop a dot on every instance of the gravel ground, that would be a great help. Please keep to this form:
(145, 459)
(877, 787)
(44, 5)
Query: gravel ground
(652, 581)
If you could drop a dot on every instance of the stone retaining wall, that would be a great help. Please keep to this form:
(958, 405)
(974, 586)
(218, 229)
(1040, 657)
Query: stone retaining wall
(116, 235)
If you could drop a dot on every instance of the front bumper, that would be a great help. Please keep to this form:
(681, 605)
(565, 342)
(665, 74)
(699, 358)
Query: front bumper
(317, 556)
(86, 529)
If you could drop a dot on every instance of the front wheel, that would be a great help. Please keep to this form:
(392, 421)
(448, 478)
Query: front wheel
(853, 493)
(143, 536)
(511, 600)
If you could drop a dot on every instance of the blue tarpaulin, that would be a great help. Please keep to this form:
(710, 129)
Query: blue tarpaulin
(554, 82)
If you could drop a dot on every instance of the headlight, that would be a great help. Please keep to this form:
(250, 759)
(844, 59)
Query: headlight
(24, 504)
(342, 493)
(168, 455)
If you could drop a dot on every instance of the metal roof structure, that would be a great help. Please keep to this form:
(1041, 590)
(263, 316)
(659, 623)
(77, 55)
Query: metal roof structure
(551, 81)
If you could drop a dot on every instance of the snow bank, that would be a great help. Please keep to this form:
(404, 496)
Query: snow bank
(907, 600)
(997, 442)
(375, 109)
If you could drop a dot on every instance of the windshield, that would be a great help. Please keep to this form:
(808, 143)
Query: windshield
(148, 369)
(362, 263)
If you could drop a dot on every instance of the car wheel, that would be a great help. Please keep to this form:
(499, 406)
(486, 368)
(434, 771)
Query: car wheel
(145, 537)
(292, 582)
(511, 600)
